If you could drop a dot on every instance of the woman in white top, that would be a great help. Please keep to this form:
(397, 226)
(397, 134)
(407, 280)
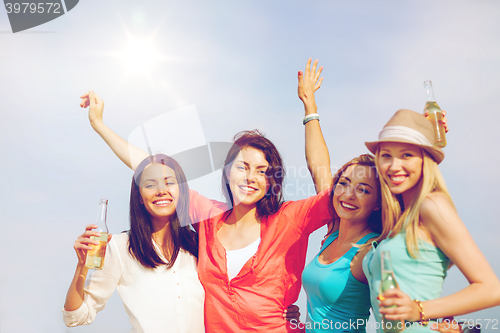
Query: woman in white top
(153, 265)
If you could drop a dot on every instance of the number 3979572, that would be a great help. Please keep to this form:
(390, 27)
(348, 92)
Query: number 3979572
(31, 7)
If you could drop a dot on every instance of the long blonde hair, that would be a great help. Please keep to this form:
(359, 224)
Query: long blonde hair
(396, 217)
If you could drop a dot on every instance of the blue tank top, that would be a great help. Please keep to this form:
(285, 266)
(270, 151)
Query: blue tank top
(336, 301)
(421, 278)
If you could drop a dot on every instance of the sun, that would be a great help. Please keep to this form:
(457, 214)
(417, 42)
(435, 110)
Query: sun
(139, 55)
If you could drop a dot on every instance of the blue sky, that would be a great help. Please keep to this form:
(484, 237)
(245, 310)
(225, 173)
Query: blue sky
(237, 62)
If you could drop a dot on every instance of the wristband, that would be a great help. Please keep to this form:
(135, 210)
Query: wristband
(310, 117)
(422, 314)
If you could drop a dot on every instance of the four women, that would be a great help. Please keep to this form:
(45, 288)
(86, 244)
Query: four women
(252, 248)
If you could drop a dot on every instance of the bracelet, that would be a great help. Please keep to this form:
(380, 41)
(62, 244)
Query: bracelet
(422, 314)
(310, 117)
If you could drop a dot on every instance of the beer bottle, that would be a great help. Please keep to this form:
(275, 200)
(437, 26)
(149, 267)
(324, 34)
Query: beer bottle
(435, 116)
(388, 282)
(95, 257)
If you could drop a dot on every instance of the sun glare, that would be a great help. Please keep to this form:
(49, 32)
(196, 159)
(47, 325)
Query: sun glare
(139, 55)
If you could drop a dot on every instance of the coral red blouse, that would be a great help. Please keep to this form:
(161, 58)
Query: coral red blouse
(270, 281)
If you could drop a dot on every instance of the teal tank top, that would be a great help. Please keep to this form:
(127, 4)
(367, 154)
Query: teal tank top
(336, 301)
(421, 278)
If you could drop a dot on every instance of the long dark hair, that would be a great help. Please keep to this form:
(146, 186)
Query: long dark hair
(275, 173)
(375, 218)
(140, 235)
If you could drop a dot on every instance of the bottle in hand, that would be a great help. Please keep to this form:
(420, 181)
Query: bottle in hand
(388, 282)
(95, 257)
(435, 116)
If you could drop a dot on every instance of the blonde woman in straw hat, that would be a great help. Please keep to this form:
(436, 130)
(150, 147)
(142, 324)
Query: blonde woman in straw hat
(423, 231)
(430, 240)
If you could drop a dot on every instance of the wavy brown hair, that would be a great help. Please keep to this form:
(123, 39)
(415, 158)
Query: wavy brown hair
(275, 173)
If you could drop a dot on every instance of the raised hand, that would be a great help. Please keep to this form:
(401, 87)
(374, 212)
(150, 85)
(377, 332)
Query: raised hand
(309, 82)
(96, 106)
(444, 121)
(317, 156)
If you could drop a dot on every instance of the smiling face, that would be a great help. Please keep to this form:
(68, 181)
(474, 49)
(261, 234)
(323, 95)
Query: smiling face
(356, 193)
(247, 177)
(159, 191)
(400, 166)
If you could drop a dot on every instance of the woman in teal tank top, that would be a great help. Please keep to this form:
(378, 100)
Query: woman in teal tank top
(338, 297)
(337, 289)
(422, 277)
(336, 300)
(424, 232)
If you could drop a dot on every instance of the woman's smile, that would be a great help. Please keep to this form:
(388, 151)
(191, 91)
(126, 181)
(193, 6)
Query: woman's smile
(348, 206)
(397, 179)
(248, 189)
(163, 202)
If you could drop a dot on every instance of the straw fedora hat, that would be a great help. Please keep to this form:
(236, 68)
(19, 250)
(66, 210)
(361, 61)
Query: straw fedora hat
(408, 126)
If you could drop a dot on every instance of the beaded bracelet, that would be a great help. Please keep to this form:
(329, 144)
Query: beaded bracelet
(422, 314)
(310, 117)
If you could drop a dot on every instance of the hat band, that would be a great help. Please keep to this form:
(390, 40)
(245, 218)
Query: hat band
(403, 132)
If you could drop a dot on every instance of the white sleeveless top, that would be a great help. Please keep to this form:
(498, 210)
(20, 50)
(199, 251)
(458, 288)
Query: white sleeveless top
(236, 259)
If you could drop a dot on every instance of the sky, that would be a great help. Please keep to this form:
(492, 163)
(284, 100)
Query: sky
(236, 63)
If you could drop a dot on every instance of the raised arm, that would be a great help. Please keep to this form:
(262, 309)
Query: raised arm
(127, 153)
(317, 156)
(441, 220)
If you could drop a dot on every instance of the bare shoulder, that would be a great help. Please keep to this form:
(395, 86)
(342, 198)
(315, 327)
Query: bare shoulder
(436, 206)
(439, 216)
(435, 200)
